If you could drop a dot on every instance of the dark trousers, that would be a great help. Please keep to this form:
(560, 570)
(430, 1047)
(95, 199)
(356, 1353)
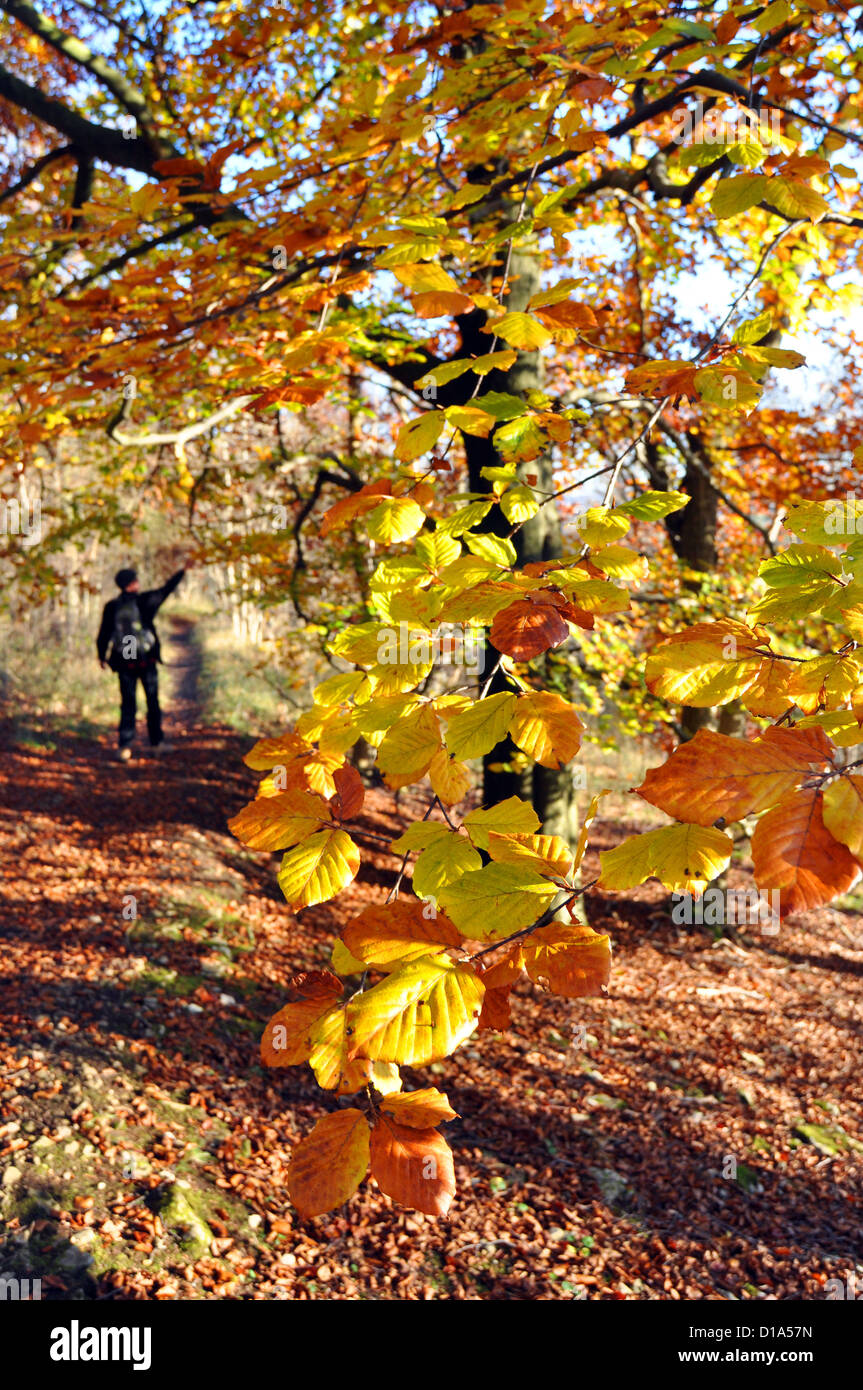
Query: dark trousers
(149, 678)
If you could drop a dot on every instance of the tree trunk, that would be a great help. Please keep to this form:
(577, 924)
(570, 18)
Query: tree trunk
(539, 538)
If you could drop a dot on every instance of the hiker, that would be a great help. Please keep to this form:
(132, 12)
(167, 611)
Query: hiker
(127, 629)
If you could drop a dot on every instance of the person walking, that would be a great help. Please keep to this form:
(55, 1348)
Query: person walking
(129, 644)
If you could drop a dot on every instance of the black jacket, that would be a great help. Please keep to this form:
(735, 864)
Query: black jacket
(149, 602)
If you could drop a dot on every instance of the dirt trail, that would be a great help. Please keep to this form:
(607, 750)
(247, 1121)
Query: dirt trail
(143, 1150)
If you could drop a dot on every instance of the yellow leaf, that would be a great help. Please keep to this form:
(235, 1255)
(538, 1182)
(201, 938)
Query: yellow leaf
(450, 781)
(497, 900)
(843, 812)
(480, 728)
(545, 854)
(447, 859)
(419, 1014)
(683, 857)
(318, 869)
(599, 526)
(708, 664)
(521, 331)
(621, 563)
(343, 963)
(510, 817)
(418, 436)
(547, 728)
(395, 519)
(409, 746)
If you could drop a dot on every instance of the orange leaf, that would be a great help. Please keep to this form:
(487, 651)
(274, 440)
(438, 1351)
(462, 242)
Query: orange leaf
(420, 1109)
(413, 1166)
(285, 1041)
(714, 775)
(524, 629)
(350, 793)
(434, 304)
(275, 822)
(328, 1166)
(386, 934)
(496, 1009)
(270, 752)
(794, 852)
(571, 960)
(348, 508)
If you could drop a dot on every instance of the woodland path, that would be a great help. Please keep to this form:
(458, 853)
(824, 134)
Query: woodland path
(143, 1149)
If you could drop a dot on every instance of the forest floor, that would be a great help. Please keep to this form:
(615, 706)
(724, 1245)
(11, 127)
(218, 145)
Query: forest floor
(704, 1142)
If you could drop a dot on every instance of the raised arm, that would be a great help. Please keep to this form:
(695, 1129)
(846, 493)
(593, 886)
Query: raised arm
(154, 598)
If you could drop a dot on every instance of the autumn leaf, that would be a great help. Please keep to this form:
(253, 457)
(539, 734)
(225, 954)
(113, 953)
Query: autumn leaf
(319, 868)
(350, 794)
(275, 822)
(521, 331)
(794, 853)
(420, 1013)
(328, 1165)
(547, 728)
(413, 1166)
(842, 812)
(546, 854)
(418, 437)
(497, 900)
(272, 752)
(683, 857)
(419, 1109)
(286, 1039)
(387, 935)
(481, 727)
(708, 664)
(713, 775)
(572, 961)
(524, 629)
(510, 817)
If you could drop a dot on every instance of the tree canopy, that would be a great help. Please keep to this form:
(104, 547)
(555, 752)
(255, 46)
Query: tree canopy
(550, 277)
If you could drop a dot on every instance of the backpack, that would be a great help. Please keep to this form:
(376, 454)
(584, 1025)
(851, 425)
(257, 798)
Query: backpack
(131, 642)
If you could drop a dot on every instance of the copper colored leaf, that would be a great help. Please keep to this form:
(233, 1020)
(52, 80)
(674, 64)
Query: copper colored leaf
(793, 852)
(350, 793)
(386, 935)
(571, 960)
(328, 1165)
(413, 1166)
(713, 775)
(524, 630)
(286, 1038)
(275, 822)
(420, 1109)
